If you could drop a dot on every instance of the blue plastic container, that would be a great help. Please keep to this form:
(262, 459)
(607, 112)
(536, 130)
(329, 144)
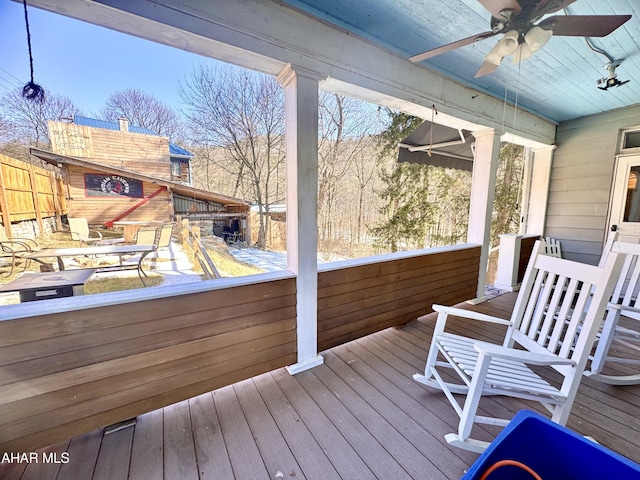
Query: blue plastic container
(552, 451)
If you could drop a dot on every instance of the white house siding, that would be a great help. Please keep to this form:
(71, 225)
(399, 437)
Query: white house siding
(581, 182)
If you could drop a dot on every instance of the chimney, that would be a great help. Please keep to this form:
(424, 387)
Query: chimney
(124, 124)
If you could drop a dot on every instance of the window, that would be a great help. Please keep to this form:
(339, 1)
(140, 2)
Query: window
(175, 169)
(632, 206)
(630, 139)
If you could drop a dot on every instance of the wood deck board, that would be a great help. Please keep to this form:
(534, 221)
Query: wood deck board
(43, 468)
(211, 450)
(310, 456)
(84, 449)
(147, 452)
(244, 454)
(275, 452)
(429, 438)
(179, 450)
(341, 454)
(344, 384)
(12, 471)
(115, 456)
(359, 415)
(378, 459)
(436, 401)
(417, 401)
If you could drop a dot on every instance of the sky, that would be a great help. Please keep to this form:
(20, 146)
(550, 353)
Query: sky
(87, 63)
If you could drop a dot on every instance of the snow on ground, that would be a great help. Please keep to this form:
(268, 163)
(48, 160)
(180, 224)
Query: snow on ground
(267, 260)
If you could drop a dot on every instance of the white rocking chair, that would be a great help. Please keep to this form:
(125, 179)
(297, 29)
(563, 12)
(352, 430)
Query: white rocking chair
(555, 321)
(552, 247)
(625, 340)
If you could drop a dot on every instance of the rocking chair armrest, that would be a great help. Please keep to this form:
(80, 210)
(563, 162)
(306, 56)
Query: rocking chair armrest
(524, 356)
(459, 312)
(98, 234)
(623, 308)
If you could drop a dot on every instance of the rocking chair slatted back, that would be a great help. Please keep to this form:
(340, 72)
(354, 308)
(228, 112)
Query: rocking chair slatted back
(554, 307)
(624, 302)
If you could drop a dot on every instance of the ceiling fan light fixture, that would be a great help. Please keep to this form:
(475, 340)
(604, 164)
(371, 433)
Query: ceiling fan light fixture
(503, 48)
(537, 37)
(509, 43)
(494, 56)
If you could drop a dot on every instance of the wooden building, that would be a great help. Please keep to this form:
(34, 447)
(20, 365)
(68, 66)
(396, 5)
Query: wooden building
(121, 145)
(112, 175)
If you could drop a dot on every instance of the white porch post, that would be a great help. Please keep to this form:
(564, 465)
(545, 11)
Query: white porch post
(508, 262)
(483, 185)
(301, 119)
(538, 190)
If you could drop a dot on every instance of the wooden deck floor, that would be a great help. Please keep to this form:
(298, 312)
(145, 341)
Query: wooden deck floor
(358, 416)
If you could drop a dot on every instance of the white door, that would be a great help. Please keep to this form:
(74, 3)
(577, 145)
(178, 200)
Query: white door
(625, 207)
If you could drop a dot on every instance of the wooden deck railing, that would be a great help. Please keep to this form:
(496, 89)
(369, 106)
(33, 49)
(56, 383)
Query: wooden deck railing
(66, 373)
(72, 365)
(359, 297)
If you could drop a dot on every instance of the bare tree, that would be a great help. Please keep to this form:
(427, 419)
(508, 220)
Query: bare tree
(241, 112)
(344, 126)
(144, 110)
(364, 170)
(23, 123)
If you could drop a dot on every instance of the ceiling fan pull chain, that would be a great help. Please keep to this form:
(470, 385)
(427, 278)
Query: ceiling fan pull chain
(434, 112)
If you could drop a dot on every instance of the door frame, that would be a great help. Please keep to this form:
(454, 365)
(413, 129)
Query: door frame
(618, 195)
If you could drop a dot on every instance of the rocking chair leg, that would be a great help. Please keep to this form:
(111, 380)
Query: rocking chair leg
(467, 418)
(476, 446)
(604, 343)
(473, 397)
(619, 380)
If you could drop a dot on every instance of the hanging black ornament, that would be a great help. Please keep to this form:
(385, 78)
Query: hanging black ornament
(31, 91)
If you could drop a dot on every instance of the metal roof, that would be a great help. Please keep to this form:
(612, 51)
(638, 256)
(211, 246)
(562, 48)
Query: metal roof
(107, 125)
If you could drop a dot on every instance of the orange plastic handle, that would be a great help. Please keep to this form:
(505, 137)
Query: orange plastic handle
(514, 463)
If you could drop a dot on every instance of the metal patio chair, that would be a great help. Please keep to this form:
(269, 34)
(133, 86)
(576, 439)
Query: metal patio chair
(15, 249)
(80, 231)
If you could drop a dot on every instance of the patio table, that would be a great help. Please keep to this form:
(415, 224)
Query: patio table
(120, 250)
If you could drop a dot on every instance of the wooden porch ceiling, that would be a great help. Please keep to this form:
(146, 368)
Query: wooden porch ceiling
(360, 415)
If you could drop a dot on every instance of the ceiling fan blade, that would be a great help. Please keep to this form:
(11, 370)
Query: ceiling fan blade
(486, 69)
(494, 7)
(583, 25)
(451, 46)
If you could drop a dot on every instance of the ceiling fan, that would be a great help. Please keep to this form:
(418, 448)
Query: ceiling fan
(516, 19)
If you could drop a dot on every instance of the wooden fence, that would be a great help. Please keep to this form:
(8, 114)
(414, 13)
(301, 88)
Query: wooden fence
(191, 240)
(28, 192)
